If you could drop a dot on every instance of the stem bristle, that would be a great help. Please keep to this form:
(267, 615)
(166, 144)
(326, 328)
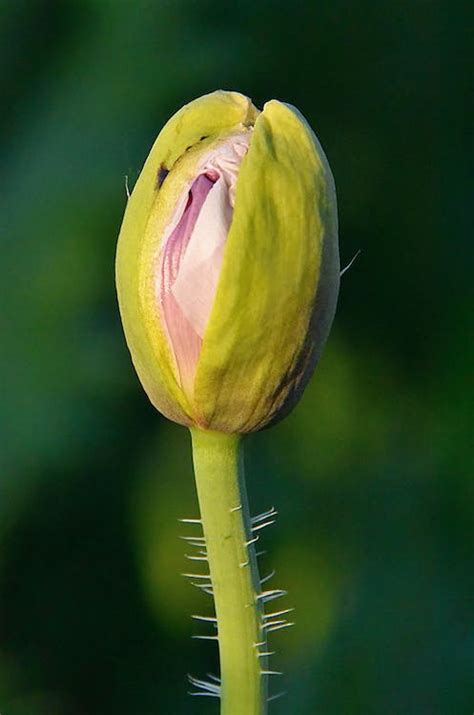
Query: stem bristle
(279, 627)
(264, 515)
(266, 596)
(196, 558)
(278, 613)
(205, 687)
(205, 638)
(196, 575)
(275, 697)
(206, 619)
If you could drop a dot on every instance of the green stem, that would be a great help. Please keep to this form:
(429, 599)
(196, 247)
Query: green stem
(218, 466)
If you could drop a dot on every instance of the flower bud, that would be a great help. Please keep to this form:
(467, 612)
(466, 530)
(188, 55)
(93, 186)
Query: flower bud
(228, 263)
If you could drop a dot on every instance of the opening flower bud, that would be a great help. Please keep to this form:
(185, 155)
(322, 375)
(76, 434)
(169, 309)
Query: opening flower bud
(228, 264)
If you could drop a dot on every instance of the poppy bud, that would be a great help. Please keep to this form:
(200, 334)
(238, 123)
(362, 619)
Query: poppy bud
(228, 263)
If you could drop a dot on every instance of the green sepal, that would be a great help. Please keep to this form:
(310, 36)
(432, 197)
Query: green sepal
(176, 150)
(279, 281)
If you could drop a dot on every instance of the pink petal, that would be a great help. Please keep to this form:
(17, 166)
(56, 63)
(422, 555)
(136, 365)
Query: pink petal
(196, 283)
(193, 250)
(184, 339)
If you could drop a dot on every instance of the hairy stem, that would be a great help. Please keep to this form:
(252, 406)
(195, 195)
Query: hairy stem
(218, 466)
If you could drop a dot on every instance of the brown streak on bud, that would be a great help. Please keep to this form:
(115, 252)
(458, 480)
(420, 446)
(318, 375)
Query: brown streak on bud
(161, 176)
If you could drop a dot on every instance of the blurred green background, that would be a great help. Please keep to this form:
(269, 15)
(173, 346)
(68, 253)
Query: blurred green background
(371, 473)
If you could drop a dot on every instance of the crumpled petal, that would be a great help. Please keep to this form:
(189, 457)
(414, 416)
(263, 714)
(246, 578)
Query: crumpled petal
(184, 338)
(193, 253)
(196, 283)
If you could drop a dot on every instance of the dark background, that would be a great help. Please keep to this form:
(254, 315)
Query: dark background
(371, 473)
